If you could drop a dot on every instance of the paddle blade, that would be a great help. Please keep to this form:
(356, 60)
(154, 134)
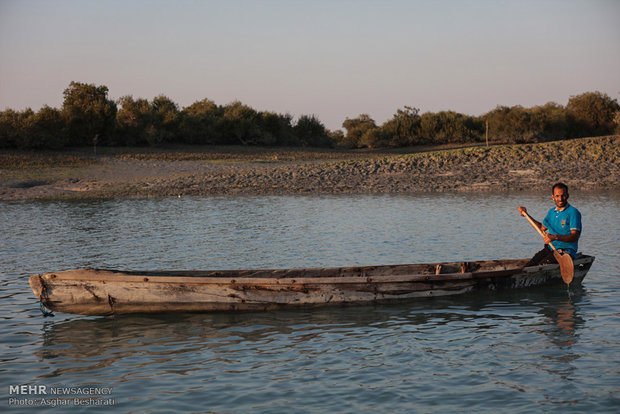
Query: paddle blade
(567, 269)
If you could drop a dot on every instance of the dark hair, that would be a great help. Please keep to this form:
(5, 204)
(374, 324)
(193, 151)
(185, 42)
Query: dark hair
(559, 185)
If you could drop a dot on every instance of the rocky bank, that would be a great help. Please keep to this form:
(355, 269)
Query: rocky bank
(584, 164)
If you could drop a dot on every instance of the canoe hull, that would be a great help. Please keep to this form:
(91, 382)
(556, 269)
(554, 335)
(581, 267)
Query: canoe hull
(108, 292)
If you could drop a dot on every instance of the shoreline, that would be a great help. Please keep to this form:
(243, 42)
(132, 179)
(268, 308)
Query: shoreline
(583, 164)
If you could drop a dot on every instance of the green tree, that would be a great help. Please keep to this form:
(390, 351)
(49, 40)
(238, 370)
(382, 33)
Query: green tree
(337, 137)
(44, 129)
(592, 113)
(509, 124)
(166, 121)
(404, 127)
(518, 124)
(88, 113)
(356, 128)
(376, 138)
(200, 123)
(29, 130)
(430, 127)
(456, 127)
(11, 128)
(239, 124)
(548, 122)
(311, 132)
(134, 121)
(277, 129)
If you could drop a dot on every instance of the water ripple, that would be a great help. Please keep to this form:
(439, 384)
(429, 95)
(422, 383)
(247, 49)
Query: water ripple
(539, 350)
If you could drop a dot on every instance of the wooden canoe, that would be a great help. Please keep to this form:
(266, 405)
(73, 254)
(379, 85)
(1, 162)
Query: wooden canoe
(113, 292)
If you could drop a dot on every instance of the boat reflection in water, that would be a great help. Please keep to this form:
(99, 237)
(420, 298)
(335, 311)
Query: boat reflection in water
(186, 342)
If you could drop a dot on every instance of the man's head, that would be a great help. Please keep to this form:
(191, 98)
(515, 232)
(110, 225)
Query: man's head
(559, 195)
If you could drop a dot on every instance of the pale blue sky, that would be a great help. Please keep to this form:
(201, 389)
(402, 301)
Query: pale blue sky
(335, 59)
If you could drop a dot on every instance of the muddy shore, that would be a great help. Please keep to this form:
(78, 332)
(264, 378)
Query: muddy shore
(584, 164)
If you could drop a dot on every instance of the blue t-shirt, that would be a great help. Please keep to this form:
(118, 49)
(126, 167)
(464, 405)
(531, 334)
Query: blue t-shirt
(563, 222)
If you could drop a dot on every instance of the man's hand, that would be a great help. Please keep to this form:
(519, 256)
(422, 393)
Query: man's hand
(523, 212)
(549, 238)
(567, 238)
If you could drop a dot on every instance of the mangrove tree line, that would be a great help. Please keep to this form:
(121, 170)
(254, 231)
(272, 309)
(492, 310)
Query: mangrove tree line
(89, 117)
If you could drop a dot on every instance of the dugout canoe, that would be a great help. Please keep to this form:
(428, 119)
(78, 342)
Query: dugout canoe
(114, 292)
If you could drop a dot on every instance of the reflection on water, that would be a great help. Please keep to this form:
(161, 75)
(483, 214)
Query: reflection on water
(181, 344)
(566, 320)
(529, 350)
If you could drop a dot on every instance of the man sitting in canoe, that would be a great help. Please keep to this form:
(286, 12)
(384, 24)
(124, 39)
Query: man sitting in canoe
(562, 226)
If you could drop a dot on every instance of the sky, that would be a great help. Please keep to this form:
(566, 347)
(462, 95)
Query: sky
(334, 59)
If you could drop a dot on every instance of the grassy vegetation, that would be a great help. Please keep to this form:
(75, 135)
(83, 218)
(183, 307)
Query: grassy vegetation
(599, 149)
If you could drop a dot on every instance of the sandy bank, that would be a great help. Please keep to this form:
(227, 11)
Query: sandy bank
(587, 164)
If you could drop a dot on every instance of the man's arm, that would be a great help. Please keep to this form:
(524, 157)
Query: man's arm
(567, 238)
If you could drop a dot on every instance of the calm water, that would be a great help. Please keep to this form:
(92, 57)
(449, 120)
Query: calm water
(533, 350)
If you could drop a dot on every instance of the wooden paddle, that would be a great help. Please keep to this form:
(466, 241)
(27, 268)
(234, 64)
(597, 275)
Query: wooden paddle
(567, 270)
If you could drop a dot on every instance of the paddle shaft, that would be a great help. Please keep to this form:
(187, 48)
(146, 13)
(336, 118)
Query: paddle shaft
(564, 260)
(531, 220)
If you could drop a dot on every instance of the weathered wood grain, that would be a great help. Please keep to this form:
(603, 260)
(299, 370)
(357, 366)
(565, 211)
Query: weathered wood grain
(110, 292)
